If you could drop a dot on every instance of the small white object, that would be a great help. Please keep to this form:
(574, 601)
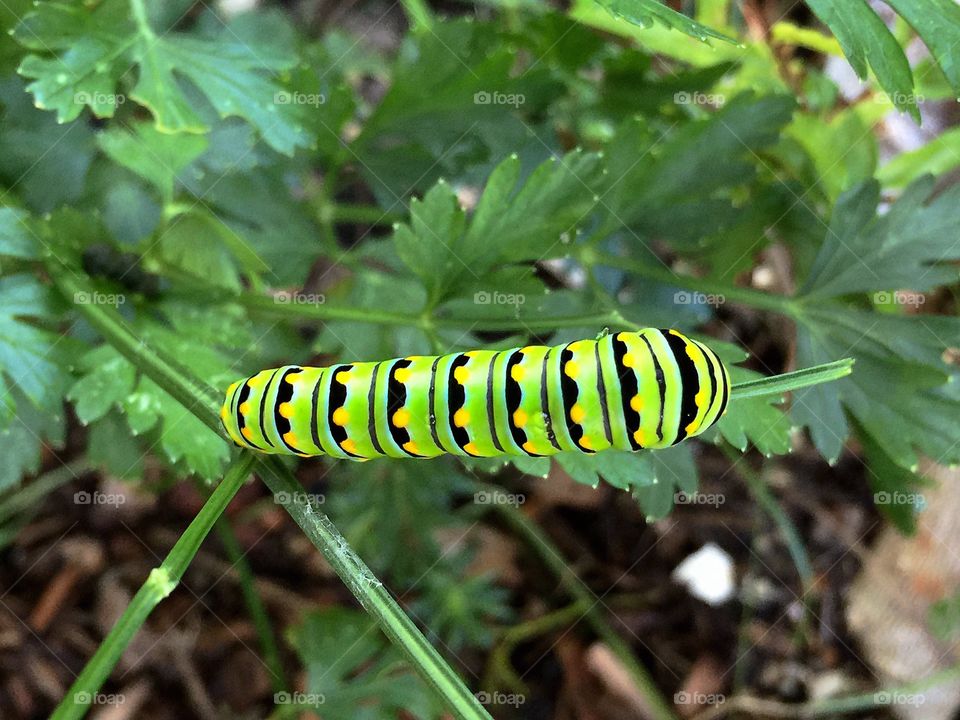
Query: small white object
(707, 574)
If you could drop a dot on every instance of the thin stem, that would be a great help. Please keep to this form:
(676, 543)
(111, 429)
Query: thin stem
(779, 384)
(258, 613)
(578, 590)
(139, 11)
(791, 536)
(419, 14)
(364, 214)
(30, 495)
(158, 585)
(371, 593)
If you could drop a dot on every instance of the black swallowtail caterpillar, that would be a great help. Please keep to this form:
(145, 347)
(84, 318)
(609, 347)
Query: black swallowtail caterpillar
(627, 390)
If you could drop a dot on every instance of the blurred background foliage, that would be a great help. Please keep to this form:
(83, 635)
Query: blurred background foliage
(287, 185)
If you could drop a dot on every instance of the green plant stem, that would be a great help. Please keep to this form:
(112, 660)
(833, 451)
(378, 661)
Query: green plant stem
(364, 214)
(499, 662)
(31, 494)
(371, 593)
(419, 14)
(158, 585)
(318, 527)
(791, 536)
(779, 384)
(258, 613)
(551, 557)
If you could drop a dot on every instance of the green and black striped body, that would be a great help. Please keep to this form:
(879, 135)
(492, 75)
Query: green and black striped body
(628, 390)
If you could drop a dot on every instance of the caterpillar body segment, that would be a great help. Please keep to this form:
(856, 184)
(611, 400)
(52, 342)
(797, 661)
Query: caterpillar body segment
(627, 390)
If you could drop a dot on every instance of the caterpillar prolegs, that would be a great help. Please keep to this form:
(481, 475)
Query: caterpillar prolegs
(627, 390)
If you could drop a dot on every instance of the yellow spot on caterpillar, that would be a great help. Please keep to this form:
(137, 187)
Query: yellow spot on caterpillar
(232, 388)
(256, 381)
(701, 397)
(629, 360)
(640, 437)
(530, 447)
(401, 418)
(520, 417)
(411, 447)
(461, 417)
(577, 413)
(343, 377)
(247, 433)
(403, 375)
(349, 446)
(472, 353)
(341, 417)
(286, 410)
(690, 429)
(674, 332)
(461, 375)
(290, 439)
(292, 378)
(471, 448)
(224, 412)
(636, 403)
(244, 407)
(517, 372)
(586, 443)
(572, 369)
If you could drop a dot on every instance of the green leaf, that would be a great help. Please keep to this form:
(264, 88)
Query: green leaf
(16, 238)
(233, 70)
(674, 471)
(155, 156)
(107, 380)
(621, 469)
(865, 40)
(645, 12)
(757, 420)
(46, 162)
(25, 437)
(456, 106)
(350, 673)
(911, 246)
(28, 355)
(937, 22)
(189, 243)
(937, 157)
(513, 221)
(903, 393)
(679, 186)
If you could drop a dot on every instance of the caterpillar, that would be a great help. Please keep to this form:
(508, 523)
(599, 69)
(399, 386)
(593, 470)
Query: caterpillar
(627, 390)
